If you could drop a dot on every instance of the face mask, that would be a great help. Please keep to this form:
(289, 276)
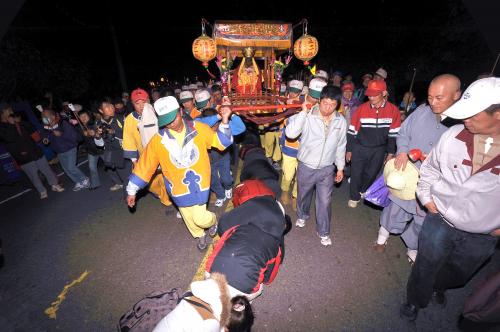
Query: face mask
(45, 121)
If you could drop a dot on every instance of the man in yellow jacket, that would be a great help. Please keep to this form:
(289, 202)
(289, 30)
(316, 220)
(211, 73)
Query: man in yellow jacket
(137, 131)
(180, 148)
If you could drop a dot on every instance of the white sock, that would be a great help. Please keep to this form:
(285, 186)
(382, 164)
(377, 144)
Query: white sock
(383, 235)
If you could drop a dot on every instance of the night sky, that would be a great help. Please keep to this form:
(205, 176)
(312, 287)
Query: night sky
(155, 40)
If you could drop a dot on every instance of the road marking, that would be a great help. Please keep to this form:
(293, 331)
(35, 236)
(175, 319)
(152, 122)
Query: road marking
(52, 310)
(29, 189)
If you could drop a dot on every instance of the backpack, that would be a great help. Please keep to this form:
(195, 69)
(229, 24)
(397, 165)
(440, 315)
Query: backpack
(148, 312)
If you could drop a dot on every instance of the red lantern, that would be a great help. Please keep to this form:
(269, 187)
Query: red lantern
(204, 49)
(305, 48)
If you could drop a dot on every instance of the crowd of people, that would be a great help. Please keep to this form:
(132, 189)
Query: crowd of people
(182, 142)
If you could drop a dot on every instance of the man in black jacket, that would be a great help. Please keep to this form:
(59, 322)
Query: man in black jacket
(18, 138)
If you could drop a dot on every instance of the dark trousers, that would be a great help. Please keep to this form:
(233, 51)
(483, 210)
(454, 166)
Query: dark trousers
(365, 166)
(447, 257)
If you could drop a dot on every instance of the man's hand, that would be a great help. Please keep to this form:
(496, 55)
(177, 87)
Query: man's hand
(131, 200)
(225, 112)
(339, 176)
(57, 133)
(348, 156)
(401, 161)
(431, 207)
(305, 108)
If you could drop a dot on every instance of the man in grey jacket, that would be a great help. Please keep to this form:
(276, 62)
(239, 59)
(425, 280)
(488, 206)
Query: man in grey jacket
(459, 186)
(322, 147)
(421, 130)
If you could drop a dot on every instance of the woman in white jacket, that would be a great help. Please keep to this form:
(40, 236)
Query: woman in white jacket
(209, 309)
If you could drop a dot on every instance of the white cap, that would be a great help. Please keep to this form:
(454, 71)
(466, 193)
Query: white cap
(185, 95)
(322, 74)
(382, 73)
(295, 86)
(199, 84)
(193, 87)
(166, 108)
(202, 97)
(315, 87)
(177, 91)
(480, 95)
(184, 87)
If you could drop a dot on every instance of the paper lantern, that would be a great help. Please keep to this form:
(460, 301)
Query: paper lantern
(204, 49)
(305, 48)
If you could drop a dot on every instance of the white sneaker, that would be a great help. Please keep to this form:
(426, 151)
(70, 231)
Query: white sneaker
(229, 193)
(116, 187)
(43, 195)
(300, 223)
(57, 188)
(326, 241)
(352, 204)
(78, 186)
(179, 216)
(219, 202)
(362, 195)
(86, 183)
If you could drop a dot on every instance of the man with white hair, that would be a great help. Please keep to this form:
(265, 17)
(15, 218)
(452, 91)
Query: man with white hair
(459, 186)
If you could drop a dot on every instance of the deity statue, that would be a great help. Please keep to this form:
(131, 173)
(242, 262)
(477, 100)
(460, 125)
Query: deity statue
(248, 79)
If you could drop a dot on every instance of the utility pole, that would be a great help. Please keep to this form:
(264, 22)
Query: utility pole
(118, 57)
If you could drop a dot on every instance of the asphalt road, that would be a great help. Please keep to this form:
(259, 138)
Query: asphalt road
(49, 243)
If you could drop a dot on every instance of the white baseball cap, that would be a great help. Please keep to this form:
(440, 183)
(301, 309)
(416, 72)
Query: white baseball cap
(480, 95)
(185, 96)
(201, 97)
(184, 87)
(322, 74)
(167, 109)
(193, 87)
(295, 86)
(382, 73)
(315, 87)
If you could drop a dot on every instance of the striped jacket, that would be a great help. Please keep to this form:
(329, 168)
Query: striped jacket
(374, 127)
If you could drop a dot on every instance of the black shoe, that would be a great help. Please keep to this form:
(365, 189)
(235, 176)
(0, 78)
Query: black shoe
(439, 298)
(408, 311)
(202, 242)
(170, 210)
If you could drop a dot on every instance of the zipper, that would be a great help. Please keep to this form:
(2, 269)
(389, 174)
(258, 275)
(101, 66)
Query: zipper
(324, 143)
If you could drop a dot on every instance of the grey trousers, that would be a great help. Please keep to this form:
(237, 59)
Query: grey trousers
(31, 169)
(395, 220)
(321, 180)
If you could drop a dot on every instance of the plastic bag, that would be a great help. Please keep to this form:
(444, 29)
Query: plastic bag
(378, 193)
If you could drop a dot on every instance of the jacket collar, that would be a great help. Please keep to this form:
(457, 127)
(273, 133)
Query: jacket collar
(468, 138)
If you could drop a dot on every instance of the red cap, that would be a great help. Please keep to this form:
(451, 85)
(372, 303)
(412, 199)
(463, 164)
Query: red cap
(139, 94)
(375, 88)
(347, 87)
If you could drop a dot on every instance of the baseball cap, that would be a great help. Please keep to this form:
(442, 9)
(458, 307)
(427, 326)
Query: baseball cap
(480, 95)
(315, 87)
(375, 88)
(382, 73)
(166, 108)
(295, 86)
(202, 98)
(139, 94)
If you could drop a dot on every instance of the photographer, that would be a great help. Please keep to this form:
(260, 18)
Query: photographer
(109, 136)
(87, 131)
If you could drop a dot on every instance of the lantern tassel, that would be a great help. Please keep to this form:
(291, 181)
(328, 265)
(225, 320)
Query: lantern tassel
(210, 74)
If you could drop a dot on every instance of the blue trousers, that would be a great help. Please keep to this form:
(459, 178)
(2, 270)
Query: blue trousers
(447, 258)
(221, 178)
